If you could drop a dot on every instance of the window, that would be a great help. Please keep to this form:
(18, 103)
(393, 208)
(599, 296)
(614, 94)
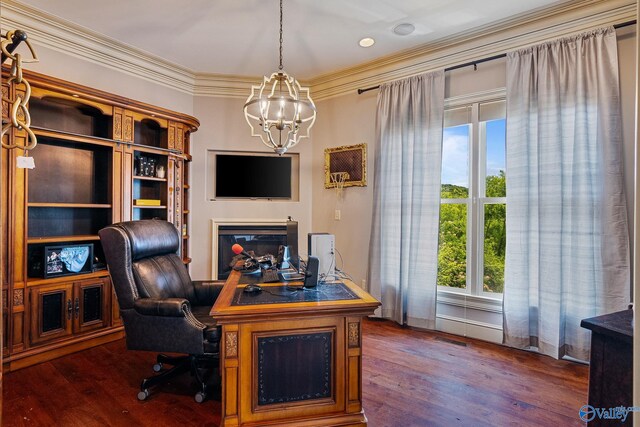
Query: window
(472, 235)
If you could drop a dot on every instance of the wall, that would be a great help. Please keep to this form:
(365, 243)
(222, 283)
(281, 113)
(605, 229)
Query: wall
(627, 64)
(67, 67)
(345, 120)
(350, 119)
(636, 239)
(223, 127)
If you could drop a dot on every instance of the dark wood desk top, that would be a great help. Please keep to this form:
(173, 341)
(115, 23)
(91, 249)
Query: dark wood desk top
(617, 325)
(348, 299)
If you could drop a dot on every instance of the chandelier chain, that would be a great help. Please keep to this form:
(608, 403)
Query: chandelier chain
(280, 68)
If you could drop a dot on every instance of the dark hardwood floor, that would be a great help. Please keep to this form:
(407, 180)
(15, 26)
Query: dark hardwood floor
(411, 378)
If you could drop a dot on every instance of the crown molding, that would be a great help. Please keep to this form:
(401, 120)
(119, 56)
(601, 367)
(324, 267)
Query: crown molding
(64, 36)
(224, 85)
(228, 86)
(510, 34)
(506, 35)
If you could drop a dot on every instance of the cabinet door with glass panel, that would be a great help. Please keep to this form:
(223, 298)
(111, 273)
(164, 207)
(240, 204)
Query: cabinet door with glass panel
(472, 238)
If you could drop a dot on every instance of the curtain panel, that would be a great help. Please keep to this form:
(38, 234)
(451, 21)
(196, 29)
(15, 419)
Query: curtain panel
(404, 237)
(567, 237)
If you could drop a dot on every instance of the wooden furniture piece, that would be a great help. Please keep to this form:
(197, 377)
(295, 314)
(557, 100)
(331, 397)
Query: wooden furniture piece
(292, 357)
(611, 365)
(86, 177)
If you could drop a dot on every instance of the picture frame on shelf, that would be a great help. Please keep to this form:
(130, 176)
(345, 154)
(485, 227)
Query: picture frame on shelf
(351, 159)
(67, 260)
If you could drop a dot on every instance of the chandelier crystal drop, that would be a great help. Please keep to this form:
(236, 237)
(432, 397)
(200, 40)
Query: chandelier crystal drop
(280, 111)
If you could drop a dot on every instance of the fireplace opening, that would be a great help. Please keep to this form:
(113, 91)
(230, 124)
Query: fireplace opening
(261, 239)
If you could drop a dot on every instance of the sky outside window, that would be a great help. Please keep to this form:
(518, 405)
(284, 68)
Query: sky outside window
(496, 135)
(455, 156)
(455, 152)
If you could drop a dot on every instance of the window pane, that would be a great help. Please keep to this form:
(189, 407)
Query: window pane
(496, 159)
(452, 249)
(455, 162)
(495, 240)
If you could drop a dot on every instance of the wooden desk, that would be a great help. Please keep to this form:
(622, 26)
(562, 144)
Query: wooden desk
(292, 357)
(611, 365)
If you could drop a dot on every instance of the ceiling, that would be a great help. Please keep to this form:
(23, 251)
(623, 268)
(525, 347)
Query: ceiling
(240, 37)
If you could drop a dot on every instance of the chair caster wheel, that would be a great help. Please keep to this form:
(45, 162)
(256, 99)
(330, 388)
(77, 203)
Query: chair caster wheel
(157, 367)
(142, 395)
(200, 397)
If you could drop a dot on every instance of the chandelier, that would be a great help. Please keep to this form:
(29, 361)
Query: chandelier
(280, 111)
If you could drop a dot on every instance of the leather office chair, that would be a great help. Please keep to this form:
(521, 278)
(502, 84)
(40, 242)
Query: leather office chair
(162, 309)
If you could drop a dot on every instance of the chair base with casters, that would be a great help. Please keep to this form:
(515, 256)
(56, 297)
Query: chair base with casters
(179, 365)
(161, 308)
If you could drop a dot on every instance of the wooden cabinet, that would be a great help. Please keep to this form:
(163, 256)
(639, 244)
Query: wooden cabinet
(100, 159)
(60, 310)
(611, 366)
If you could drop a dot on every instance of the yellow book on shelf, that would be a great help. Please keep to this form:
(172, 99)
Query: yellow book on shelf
(147, 202)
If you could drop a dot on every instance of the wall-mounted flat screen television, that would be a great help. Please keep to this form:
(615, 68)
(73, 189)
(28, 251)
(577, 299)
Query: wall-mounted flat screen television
(252, 176)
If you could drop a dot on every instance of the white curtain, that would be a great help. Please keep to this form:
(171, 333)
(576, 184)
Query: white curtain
(567, 236)
(404, 239)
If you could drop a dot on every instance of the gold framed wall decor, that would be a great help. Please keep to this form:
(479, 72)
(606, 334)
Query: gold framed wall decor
(351, 159)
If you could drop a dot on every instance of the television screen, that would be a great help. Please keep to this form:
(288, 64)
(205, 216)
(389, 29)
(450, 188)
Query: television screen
(253, 176)
(65, 260)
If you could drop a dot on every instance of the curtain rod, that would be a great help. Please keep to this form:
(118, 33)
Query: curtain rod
(490, 58)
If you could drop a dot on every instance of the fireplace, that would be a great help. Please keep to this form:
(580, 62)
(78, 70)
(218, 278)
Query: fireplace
(262, 239)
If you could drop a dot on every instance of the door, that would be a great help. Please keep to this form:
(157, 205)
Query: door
(90, 304)
(51, 312)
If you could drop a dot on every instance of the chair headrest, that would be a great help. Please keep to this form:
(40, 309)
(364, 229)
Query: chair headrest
(151, 237)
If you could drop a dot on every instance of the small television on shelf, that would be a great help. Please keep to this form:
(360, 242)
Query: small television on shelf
(252, 176)
(65, 260)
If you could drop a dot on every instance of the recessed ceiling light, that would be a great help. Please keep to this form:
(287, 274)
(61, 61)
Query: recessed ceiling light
(366, 42)
(404, 29)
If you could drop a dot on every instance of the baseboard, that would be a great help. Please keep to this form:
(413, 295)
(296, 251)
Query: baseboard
(467, 328)
(45, 353)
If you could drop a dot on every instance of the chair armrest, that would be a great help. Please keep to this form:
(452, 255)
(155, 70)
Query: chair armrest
(168, 307)
(207, 291)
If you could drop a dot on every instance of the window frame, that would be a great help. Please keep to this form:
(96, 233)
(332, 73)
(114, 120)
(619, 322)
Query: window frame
(477, 199)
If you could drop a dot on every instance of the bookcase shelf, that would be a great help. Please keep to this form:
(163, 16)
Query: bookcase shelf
(149, 207)
(36, 281)
(63, 239)
(68, 205)
(69, 136)
(150, 178)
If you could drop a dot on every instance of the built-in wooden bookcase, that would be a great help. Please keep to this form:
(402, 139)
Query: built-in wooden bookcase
(186, 190)
(87, 176)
